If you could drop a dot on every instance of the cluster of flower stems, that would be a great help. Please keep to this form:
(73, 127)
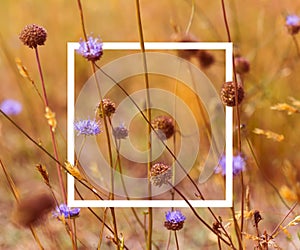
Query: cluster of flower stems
(174, 218)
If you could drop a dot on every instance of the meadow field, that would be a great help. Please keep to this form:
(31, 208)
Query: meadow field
(149, 124)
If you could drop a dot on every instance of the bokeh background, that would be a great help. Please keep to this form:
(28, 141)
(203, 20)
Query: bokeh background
(259, 34)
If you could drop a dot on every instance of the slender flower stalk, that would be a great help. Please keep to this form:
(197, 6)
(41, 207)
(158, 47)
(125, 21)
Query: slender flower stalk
(148, 112)
(92, 50)
(166, 147)
(238, 121)
(46, 102)
(33, 36)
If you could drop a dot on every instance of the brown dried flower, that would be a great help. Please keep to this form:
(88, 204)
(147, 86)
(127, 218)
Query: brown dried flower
(160, 174)
(165, 125)
(242, 65)
(33, 35)
(228, 94)
(109, 108)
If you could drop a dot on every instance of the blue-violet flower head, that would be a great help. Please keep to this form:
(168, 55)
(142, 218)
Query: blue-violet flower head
(87, 127)
(292, 23)
(91, 49)
(11, 107)
(174, 220)
(120, 132)
(66, 212)
(292, 20)
(238, 166)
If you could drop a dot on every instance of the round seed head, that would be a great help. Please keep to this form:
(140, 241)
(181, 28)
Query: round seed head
(33, 35)
(109, 108)
(165, 125)
(160, 174)
(228, 94)
(242, 65)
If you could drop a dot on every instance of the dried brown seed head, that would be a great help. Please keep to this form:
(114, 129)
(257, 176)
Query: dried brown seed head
(228, 93)
(160, 174)
(33, 35)
(242, 65)
(109, 108)
(165, 125)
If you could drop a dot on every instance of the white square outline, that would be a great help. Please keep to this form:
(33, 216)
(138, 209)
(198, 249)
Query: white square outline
(228, 47)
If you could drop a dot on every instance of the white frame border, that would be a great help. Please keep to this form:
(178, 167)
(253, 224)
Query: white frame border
(71, 47)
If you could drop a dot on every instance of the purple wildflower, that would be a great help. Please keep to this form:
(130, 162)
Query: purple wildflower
(120, 132)
(64, 210)
(239, 165)
(292, 23)
(292, 20)
(11, 107)
(91, 49)
(174, 220)
(87, 127)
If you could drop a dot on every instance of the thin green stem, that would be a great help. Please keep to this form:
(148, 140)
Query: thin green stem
(46, 102)
(148, 111)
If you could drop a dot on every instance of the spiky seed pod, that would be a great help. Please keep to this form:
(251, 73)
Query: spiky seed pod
(185, 37)
(33, 35)
(242, 65)
(228, 94)
(205, 58)
(165, 125)
(109, 108)
(32, 209)
(160, 174)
